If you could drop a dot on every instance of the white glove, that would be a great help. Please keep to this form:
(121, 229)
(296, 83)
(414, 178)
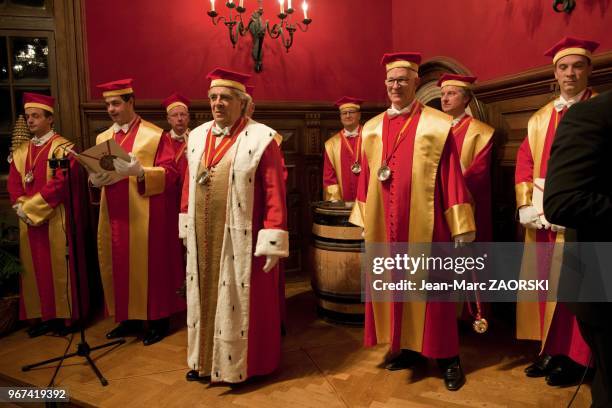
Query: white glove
(545, 224)
(529, 218)
(133, 168)
(100, 179)
(18, 207)
(557, 228)
(463, 238)
(271, 261)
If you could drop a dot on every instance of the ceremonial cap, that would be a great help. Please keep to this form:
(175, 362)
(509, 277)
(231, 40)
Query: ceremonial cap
(410, 60)
(348, 102)
(174, 100)
(34, 100)
(463, 81)
(230, 79)
(116, 88)
(572, 46)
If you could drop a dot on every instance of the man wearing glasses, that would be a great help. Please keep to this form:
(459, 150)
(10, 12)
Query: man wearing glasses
(411, 190)
(342, 158)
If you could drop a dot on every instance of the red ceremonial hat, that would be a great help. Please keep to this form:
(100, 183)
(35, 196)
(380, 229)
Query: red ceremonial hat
(34, 100)
(410, 60)
(250, 89)
(463, 81)
(348, 102)
(571, 46)
(174, 100)
(116, 88)
(230, 79)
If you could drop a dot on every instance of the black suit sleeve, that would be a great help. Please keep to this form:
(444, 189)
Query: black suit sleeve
(577, 193)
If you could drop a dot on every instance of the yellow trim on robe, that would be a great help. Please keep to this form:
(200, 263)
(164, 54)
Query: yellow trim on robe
(333, 147)
(477, 137)
(524, 192)
(145, 148)
(61, 276)
(357, 216)
(155, 180)
(536, 134)
(37, 209)
(460, 219)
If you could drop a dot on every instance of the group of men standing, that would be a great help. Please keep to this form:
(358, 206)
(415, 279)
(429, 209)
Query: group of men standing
(415, 174)
(422, 176)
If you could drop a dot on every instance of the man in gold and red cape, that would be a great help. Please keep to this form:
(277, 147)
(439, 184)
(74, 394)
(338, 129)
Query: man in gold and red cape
(564, 353)
(474, 140)
(234, 220)
(41, 197)
(342, 158)
(140, 261)
(411, 190)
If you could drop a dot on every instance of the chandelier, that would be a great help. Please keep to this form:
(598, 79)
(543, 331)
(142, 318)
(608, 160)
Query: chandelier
(284, 29)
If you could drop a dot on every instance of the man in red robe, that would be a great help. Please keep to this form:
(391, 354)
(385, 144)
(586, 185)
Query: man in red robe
(398, 201)
(234, 221)
(474, 140)
(564, 353)
(177, 111)
(342, 157)
(40, 198)
(140, 262)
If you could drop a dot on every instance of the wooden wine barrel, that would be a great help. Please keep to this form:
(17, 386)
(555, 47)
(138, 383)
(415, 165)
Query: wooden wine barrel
(335, 260)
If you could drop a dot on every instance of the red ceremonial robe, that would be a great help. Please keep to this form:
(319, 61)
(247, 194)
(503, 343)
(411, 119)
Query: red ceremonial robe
(140, 260)
(42, 246)
(268, 215)
(341, 152)
(474, 140)
(415, 208)
(549, 322)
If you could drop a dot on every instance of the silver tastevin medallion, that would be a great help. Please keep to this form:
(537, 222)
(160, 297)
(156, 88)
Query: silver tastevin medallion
(356, 168)
(384, 172)
(29, 177)
(204, 177)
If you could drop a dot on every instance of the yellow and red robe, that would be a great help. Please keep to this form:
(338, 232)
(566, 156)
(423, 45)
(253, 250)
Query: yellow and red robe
(42, 246)
(140, 258)
(425, 200)
(474, 140)
(341, 152)
(549, 322)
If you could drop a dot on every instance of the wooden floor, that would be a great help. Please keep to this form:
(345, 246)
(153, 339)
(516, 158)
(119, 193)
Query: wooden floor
(323, 365)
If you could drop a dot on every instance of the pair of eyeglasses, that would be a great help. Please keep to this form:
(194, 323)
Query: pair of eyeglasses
(348, 113)
(400, 81)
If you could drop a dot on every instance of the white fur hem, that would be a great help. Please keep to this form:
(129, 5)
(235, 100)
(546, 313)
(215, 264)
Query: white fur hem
(272, 242)
(183, 227)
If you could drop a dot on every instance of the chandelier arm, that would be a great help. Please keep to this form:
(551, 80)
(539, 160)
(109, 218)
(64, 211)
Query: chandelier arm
(275, 32)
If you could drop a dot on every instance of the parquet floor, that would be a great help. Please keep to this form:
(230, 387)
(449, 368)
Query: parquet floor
(323, 365)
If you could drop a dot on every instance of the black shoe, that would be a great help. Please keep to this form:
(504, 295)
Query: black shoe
(41, 328)
(542, 367)
(153, 336)
(405, 360)
(193, 375)
(453, 373)
(122, 330)
(566, 374)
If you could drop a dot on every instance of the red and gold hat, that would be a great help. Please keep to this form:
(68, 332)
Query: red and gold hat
(230, 79)
(463, 81)
(572, 46)
(410, 60)
(116, 88)
(34, 100)
(174, 100)
(348, 102)
(250, 89)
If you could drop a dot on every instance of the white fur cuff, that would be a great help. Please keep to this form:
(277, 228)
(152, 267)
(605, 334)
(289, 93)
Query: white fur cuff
(183, 225)
(272, 242)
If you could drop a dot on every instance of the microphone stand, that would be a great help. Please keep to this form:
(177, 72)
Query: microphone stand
(83, 348)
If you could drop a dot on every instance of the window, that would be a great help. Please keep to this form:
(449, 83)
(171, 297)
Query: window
(24, 67)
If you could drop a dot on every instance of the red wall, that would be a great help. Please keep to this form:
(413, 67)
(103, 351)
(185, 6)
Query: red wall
(494, 38)
(170, 46)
